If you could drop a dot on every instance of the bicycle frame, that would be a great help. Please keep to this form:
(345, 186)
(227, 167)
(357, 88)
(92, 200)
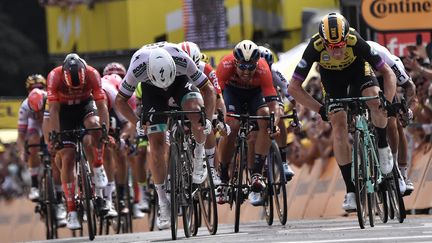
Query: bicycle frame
(180, 167)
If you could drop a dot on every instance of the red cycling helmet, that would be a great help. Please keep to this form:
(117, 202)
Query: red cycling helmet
(115, 68)
(36, 100)
(74, 69)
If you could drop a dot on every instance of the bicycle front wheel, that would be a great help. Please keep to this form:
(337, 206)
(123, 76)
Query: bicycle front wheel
(360, 178)
(279, 184)
(207, 203)
(174, 183)
(88, 195)
(240, 161)
(396, 202)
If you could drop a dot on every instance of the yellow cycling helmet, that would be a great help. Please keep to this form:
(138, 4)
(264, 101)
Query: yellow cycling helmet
(334, 29)
(35, 81)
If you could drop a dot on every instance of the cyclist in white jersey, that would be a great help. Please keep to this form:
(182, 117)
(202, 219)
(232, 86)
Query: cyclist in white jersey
(281, 85)
(395, 133)
(163, 70)
(194, 52)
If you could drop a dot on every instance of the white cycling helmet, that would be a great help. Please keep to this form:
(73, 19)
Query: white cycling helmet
(246, 51)
(161, 68)
(192, 50)
(267, 54)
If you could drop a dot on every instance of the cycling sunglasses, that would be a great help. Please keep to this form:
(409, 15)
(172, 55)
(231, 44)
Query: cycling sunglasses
(247, 66)
(335, 46)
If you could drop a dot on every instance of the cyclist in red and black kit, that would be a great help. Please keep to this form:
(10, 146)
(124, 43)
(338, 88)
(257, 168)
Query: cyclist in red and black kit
(246, 81)
(76, 99)
(345, 62)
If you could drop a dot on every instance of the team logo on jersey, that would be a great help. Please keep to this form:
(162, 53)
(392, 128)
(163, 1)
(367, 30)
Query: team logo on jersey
(139, 69)
(326, 57)
(196, 76)
(128, 87)
(180, 61)
(302, 63)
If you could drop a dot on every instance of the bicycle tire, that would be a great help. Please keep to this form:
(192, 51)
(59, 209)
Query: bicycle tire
(194, 224)
(359, 178)
(43, 210)
(371, 199)
(175, 175)
(279, 186)
(153, 208)
(240, 158)
(381, 205)
(129, 200)
(207, 203)
(187, 188)
(50, 205)
(395, 197)
(267, 196)
(88, 200)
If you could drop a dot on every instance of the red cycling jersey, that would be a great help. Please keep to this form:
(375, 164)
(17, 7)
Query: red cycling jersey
(58, 91)
(207, 69)
(227, 75)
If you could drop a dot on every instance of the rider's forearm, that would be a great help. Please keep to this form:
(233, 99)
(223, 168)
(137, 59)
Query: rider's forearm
(274, 107)
(302, 97)
(389, 82)
(103, 112)
(20, 142)
(54, 117)
(46, 129)
(125, 109)
(410, 93)
(209, 96)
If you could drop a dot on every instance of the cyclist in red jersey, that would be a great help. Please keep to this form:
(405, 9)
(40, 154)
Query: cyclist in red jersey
(76, 99)
(246, 81)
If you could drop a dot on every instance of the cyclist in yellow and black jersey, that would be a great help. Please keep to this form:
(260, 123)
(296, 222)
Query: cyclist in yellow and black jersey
(345, 61)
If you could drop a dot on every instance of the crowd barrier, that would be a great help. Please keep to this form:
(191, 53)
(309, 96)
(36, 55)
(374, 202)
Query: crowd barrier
(316, 191)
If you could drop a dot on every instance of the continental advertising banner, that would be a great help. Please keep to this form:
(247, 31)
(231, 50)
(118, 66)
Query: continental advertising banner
(398, 15)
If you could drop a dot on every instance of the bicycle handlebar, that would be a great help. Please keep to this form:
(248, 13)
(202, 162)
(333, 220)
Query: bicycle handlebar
(145, 115)
(78, 133)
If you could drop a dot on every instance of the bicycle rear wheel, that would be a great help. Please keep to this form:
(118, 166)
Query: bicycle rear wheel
(207, 203)
(46, 208)
(175, 177)
(360, 178)
(279, 185)
(240, 162)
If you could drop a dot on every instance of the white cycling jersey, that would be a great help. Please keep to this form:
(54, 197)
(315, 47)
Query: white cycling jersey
(111, 93)
(280, 81)
(27, 122)
(393, 61)
(137, 71)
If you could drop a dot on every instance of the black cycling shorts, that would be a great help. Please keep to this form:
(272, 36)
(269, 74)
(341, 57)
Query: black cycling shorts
(157, 99)
(72, 116)
(349, 82)
(238, 100)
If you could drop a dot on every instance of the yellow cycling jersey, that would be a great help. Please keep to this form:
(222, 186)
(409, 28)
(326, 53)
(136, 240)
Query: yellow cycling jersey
(138, 91)
(357, 53)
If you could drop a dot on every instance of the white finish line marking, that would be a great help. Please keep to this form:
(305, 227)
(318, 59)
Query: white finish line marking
(368, 239)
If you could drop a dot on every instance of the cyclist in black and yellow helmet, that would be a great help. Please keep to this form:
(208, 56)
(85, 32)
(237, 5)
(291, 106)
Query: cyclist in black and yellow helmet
(345, 62)
(35, 81)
